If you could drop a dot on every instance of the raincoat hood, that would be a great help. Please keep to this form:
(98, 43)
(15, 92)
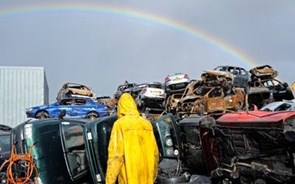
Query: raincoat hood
(127, 106)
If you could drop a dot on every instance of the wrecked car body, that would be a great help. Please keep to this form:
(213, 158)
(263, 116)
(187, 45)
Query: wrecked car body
(213, 93)
(265, 76)
(241, 77)
(258, 97)
(263, 72)
(250, 147)
(124, 88)
(73, 89)
(207, 99)
(280, 90)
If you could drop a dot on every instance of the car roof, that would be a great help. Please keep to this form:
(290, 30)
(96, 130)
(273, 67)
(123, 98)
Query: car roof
(229, 66)
(4, 127)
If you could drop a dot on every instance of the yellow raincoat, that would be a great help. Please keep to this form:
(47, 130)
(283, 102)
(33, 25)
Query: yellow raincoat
(132, 153)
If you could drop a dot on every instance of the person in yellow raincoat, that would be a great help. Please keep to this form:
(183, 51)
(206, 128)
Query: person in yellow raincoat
(132, 153)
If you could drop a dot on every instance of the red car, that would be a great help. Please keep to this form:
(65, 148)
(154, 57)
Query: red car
(250, 147)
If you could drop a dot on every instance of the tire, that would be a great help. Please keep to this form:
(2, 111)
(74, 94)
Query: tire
(42, 115)
(92, 115)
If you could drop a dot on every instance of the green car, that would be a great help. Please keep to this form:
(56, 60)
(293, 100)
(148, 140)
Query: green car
(76, 150)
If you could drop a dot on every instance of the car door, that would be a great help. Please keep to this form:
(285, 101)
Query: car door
(64, 105)
(96, 136)
(74, 149)
(80, 108)
(215, 100)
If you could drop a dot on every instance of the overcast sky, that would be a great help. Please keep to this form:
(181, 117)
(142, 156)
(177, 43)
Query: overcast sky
(103, 43)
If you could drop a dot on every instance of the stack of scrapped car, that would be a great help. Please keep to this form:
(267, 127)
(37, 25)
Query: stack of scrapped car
(176, 83)
(124, 88)
(265, 76)
(250, 147)
(151, 97)
(214, 93)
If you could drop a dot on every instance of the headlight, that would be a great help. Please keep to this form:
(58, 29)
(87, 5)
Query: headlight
(168, 142)
(28, 109)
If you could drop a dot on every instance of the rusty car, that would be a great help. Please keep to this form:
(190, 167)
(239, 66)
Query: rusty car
(214, 93)
(74, 89)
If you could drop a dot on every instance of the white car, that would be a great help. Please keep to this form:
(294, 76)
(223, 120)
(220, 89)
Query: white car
(176, 83)
(152, 95)
(285, 105)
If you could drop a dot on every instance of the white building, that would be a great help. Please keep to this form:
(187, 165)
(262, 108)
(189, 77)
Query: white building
(21, 88)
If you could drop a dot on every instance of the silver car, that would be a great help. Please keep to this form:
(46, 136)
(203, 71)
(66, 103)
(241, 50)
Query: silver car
(286, 105)
(176, 83)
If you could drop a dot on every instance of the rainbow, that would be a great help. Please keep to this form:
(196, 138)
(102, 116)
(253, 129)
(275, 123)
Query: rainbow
(135, 14)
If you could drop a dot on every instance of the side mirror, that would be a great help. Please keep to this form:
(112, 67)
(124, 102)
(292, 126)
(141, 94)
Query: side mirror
(62, 114)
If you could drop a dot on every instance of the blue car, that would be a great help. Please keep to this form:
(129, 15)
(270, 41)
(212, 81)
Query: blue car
(74, 107)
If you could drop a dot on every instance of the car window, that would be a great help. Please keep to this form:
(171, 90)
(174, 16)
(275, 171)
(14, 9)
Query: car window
(5, 142)
(66, 102)
(283, 107)
(75, 148)
(202, 90)
(159, 86)
(80, 102)
(243, 71)
(220, 68)
(215, 93)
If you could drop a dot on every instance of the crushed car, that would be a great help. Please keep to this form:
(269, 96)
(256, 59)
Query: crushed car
(241, 76)
(215, 94)
(263, 72)
(280, 90)
(172, 100)
(74, 89)
(75, 107)
(250, 147)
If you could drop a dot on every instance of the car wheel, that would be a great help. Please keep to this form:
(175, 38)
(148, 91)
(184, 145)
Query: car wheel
(42, 115)
(92, 115)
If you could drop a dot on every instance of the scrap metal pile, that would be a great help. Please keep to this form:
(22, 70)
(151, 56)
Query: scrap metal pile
(205, 129)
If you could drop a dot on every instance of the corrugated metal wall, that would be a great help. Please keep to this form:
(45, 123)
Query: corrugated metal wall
(21, 88)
